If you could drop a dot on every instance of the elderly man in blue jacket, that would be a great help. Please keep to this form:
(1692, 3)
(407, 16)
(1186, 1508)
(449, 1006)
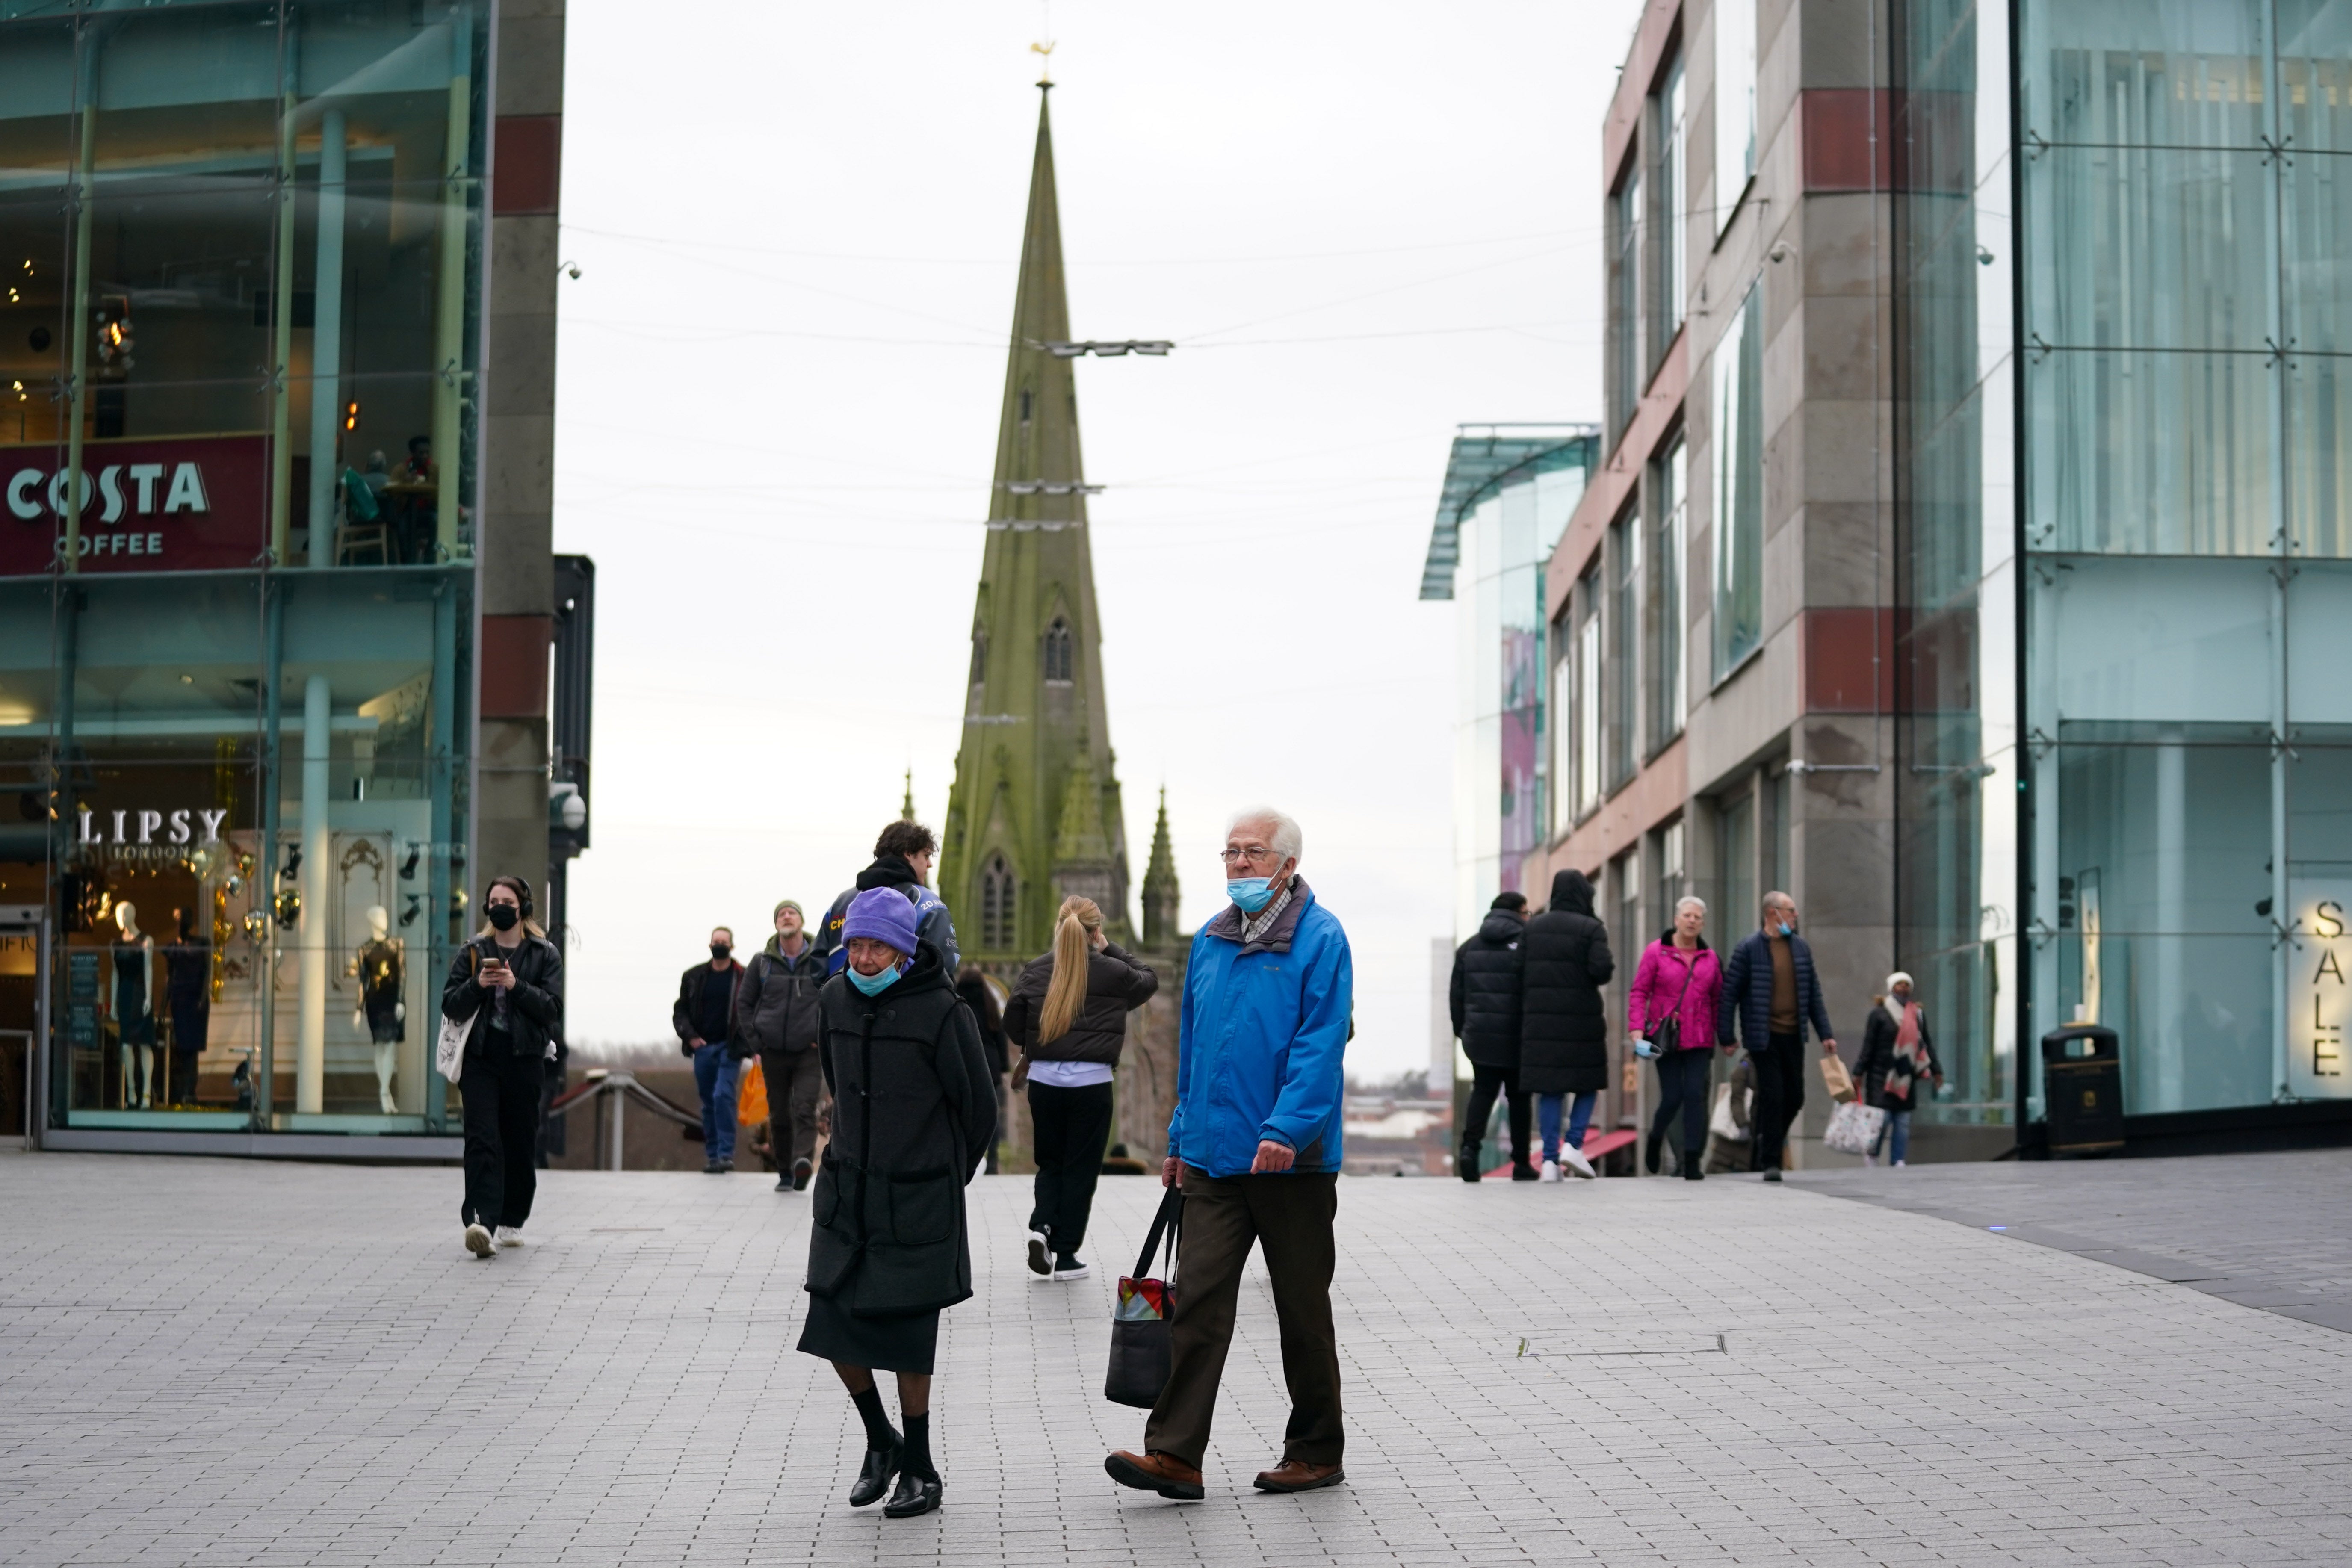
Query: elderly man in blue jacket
(1770, 990)
(1254, 1143)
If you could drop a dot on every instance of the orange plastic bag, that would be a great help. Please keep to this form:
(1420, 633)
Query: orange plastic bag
(750, 1094)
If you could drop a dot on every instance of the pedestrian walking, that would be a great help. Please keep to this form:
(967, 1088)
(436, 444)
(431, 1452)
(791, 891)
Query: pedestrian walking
(980, 997)
(1254, 1144)
(507, 981)
(902, 859)
(1671, 1009)
(1484, 998)
(775, 1018)
(1770, 989)
(1563, 1027)
(1898, 1056)
(705, 1011)
(887, 1241)
(1068, 1015)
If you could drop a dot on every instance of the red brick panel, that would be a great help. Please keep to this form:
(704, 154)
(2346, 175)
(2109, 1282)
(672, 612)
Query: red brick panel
(1834, 668)
(529, 174)
(1840, 154)
(512, 659)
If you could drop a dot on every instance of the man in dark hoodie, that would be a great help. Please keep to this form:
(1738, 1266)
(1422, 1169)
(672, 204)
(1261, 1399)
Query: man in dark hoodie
(1563, 1030)
(776, 1019)
(902, 859)
(1484, 998)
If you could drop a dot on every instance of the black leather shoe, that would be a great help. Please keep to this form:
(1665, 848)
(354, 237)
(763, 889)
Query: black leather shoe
(1466, 1162)
(1693, 1165)
(800, 1174)
(1523, 1171)
(1651, 1144)
(874, 1475)
(1773, 1175)
(916, 1494)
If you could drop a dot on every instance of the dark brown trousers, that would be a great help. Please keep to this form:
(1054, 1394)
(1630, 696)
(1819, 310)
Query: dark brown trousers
(1291, 1216)
(795, 1081)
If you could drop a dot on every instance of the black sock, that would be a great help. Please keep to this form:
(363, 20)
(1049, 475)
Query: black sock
(878, 1435)
(916, 1459)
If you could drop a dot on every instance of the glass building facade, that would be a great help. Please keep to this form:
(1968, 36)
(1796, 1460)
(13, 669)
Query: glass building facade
(2125, 484)
(244, 254)
(1508, 492)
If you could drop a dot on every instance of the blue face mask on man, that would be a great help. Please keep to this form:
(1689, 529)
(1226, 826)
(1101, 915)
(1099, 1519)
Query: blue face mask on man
(873, 985)
(1251, 893)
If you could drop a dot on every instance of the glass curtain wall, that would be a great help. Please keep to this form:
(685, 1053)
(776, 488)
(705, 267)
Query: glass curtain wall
(1958, 901)
(235, 591)
(2188, 529)
(1624, 648)
(1627, 361)
(1503, 663)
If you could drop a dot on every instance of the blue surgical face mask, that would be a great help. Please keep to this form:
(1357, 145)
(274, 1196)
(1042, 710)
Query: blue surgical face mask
(1252, 893)
(873, 985)
(1787, 930)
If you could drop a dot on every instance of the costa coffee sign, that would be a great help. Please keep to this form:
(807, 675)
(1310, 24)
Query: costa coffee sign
(182, 503)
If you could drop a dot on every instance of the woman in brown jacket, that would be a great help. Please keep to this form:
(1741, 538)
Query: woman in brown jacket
(1068, 1015)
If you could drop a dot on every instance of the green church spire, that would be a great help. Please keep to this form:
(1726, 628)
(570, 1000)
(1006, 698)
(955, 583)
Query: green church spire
(1160, 895)
(1035, 811)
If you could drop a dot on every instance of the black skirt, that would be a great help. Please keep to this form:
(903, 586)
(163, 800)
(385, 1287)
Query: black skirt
(903, 1343)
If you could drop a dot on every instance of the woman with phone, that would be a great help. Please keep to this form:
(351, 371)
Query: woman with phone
(508, 982)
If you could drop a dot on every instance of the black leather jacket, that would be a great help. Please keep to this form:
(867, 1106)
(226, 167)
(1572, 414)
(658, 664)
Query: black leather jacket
(536, 1010)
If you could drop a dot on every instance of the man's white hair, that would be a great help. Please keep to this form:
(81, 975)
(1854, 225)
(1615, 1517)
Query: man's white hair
(1284, 839)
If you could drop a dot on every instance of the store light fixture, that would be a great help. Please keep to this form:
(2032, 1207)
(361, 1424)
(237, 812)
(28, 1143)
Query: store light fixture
(351, 415)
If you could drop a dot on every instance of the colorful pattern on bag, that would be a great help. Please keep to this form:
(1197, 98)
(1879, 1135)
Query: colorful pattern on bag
(1140, 1301)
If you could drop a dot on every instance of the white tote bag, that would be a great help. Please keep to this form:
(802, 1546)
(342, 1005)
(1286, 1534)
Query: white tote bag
(449, 1048)
(1721, 1122)
(1853, 1128)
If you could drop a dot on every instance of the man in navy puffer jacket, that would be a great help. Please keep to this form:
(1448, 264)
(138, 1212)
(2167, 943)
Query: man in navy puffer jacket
(1770, 988)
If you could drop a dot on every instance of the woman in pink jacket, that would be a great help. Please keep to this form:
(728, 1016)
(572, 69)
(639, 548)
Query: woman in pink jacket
(1671, 1014)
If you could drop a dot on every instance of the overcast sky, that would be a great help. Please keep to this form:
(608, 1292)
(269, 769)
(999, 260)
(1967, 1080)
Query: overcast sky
(798, 228)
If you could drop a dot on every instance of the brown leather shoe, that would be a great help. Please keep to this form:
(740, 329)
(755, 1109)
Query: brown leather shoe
(1298, 1476)
(1156, 1472)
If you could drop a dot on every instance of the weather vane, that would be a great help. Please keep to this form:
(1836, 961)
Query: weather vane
(1045, 63)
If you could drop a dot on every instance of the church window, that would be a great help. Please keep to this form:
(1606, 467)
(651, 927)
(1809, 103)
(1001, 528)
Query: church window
(1057, 650)
(997, 907)
(979, 656)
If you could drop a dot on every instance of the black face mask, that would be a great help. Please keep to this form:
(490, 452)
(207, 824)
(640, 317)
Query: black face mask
(719, 952)
(504, 916)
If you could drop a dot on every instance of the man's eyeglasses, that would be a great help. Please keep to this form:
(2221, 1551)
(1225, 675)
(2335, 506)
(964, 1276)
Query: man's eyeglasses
(1250, 855)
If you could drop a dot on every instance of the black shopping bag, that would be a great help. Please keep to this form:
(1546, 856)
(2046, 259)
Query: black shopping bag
(1140, 1347)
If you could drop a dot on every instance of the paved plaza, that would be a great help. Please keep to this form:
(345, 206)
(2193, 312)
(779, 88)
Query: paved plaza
(214, 1362)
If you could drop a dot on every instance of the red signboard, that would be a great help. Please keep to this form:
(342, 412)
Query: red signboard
(170, 503)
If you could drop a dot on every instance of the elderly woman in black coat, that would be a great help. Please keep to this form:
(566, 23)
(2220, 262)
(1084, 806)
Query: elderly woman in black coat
(914, 1110)
(1564, 1028)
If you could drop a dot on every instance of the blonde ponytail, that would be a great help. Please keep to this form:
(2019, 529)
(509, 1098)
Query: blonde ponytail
(1065, 993)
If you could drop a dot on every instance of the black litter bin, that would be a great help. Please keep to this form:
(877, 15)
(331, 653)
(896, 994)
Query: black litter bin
(2083, 1088)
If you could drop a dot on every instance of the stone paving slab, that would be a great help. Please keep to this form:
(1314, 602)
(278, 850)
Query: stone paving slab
(2263, 1230)
(217, 1362)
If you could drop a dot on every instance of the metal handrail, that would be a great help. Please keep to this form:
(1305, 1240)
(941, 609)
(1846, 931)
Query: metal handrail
(621, 1086)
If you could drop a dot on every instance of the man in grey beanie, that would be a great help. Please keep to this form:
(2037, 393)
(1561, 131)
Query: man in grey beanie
(776, 1016)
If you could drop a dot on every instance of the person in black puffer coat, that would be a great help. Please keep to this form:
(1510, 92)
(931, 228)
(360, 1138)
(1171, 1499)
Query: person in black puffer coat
(889, 1243)
(1484, 997)
(1563, 1030)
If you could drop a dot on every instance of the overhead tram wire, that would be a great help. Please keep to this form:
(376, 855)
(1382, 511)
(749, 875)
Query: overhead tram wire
(672, 242)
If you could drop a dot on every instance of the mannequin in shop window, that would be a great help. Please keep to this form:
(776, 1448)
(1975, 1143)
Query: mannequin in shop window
(134, 1008)
(187, 987)
(381, 1011)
